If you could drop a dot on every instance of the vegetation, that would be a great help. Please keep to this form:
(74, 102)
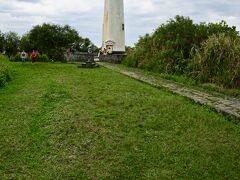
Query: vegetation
(61, 122)
(11, 43)
(168, 49)
(50, 40)
(1, 42)
(5, 71)
(218, 61)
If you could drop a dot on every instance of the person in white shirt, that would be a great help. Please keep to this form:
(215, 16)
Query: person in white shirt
(23, 56)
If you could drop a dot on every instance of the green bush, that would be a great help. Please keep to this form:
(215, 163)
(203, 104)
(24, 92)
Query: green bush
(136, 57)
(218, 61)
(5, 72)
(42, 58)
(130, 61)
(15, 58)
(168, 49)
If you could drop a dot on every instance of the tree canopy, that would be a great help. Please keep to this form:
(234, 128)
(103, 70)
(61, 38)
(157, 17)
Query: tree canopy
(11, 43)
(1, 41)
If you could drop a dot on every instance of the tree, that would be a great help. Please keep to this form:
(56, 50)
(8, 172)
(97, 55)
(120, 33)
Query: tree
(53, 40)
(25, 43)
(2, 39)
(11, 43)
(68, 36)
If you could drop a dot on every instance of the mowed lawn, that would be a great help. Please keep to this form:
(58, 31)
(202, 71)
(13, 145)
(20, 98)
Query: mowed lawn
(58, 121)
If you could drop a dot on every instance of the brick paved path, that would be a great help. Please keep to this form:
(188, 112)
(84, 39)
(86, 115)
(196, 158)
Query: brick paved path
(226, 105)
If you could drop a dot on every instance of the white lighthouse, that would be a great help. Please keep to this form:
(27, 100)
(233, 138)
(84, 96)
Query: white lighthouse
(113, 27)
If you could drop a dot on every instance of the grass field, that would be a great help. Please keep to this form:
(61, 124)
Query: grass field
(61, 122)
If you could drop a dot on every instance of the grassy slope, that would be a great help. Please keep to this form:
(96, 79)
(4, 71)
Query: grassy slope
(58, 121)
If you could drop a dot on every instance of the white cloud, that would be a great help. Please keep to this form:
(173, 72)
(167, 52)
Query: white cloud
(142, 16)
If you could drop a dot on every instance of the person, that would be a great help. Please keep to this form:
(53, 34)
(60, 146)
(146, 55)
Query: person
(23, 56)
(33, 56)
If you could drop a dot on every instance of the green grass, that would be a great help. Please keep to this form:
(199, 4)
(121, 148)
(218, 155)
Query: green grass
(5, 71)
(61, 122)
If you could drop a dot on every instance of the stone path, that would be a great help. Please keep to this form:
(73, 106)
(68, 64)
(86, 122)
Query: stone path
(226, 105)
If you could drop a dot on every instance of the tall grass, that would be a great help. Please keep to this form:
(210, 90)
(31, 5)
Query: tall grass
(218, 61)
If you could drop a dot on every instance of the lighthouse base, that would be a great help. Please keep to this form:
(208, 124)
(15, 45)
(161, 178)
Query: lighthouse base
(113, 58)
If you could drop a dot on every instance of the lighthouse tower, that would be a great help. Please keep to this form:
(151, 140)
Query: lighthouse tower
(113, 28)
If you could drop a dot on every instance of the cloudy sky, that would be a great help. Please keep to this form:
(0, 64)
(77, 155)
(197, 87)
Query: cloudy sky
(141, 16)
